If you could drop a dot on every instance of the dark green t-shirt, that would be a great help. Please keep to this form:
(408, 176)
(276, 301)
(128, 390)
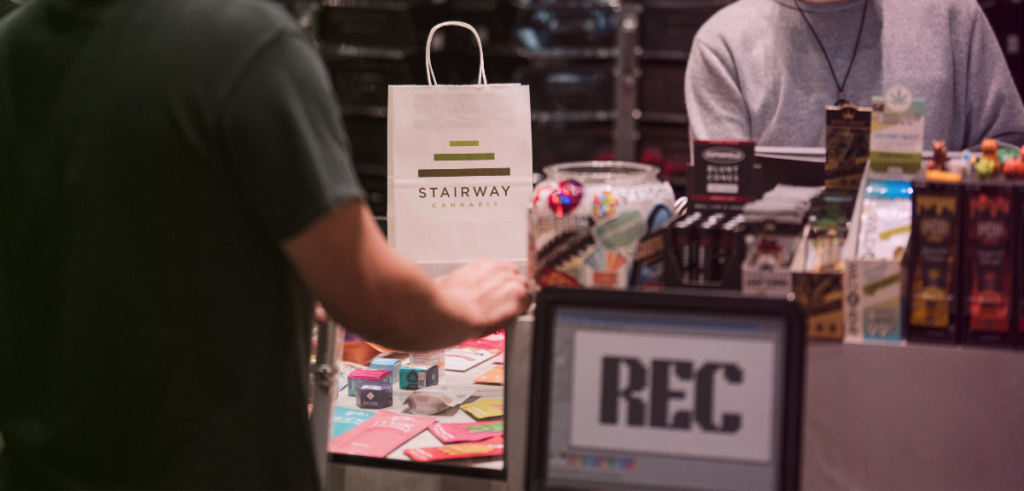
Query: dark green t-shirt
(6, 6)
(153, 156)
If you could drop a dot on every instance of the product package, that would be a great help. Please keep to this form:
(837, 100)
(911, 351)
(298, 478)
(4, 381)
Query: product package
(847, 138)
(435, 357)
(885, 220)
(387, 364)
(494, 341)
(486, 448)
(360, 377)
(485, 408)
(346, 419)
(935, 245)
(467, 432)
(873, 288)
(988, 265)
(774, 227)
(375, 396)
(462, 359)
(345, 368)
(495, 375)
(412, 377)
(380, 435)
(432, 400)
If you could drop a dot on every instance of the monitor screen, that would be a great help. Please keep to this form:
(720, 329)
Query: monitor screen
(642, 398)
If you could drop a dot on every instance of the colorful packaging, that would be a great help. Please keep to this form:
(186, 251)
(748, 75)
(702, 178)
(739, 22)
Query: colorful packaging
(412, 377)
(359, 377)
(462, 359)
(467, 432)
(380, 435)
(847, 138)
(486, 448)
(428, 358)
(988, 271)
(374, 396)
(933, 266)
(495, 376)
(885, 221)
(387, 364)
(485, 408)
(346, 419)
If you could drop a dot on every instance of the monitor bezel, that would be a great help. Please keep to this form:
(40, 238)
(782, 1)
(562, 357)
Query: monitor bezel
(713, 302)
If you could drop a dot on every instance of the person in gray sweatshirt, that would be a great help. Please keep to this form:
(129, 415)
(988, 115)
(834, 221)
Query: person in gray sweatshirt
(757, 72)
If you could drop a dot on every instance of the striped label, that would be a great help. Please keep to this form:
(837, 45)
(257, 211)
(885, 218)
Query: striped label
(485, 171)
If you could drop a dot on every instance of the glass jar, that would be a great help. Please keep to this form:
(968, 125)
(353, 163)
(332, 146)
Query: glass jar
(587, 218)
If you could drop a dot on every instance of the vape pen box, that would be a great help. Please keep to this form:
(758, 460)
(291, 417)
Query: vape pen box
(931, 312)
(361, 377)
(387, 364)
(414, 377)
(375, 396)
(988, 264)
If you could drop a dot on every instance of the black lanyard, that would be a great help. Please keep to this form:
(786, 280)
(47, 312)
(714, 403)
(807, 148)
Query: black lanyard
(841, 97)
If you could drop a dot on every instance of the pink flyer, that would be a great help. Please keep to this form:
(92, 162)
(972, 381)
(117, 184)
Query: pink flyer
(379, 435)
(467, 432)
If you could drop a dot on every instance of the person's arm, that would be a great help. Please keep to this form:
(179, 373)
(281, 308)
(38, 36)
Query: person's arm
(994, 108)
(368, 288)
(289, 157)
(714, 102)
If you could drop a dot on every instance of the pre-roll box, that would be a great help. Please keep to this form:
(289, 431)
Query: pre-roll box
(932, 294)
(375, 396)
(387, 364)
(412, 377)
(989, 264)
(361, 377)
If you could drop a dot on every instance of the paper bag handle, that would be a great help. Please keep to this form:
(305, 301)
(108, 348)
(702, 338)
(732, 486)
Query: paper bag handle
(481, 78)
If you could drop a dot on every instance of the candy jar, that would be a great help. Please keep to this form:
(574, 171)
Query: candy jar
(586, 219)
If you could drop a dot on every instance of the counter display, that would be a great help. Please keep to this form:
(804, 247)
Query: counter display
(391, 412)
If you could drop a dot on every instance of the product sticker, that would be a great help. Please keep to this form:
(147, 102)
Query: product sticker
(485, 408)
(495, 375)
(380, 435)
(554, 278)
(897, 131)
(605, 204)
(346, 419)
(622, 231)
(605, 269)
(467, 432)
(486, 448)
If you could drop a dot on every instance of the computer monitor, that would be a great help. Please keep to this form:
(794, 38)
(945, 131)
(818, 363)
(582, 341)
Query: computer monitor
(637, 390)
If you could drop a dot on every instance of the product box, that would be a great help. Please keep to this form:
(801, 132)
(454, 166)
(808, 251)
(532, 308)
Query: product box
(374, 396)
(821, 294)
(360, 377)
(931, 313)
(988, 264)
(414, 377)
(721, 176)
(873, 280)
(847, 138)
(387, 364)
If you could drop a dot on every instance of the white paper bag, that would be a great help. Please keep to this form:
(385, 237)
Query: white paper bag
(460, 167)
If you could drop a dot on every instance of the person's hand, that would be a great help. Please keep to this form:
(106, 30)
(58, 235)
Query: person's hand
(489, 294)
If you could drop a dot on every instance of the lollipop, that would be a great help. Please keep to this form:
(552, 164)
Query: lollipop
(564, 199)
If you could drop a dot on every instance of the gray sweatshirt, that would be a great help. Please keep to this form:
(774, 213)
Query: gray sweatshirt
(756, 72)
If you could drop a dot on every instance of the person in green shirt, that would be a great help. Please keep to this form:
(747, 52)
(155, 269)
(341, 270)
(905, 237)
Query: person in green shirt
(175, 188)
